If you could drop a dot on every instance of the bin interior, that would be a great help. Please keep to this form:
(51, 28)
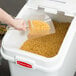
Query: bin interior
(14, 39)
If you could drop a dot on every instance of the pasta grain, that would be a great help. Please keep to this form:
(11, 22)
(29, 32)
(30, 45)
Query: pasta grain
(48, 45)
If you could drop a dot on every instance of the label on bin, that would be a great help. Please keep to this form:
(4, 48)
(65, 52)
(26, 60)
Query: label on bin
(24, 64)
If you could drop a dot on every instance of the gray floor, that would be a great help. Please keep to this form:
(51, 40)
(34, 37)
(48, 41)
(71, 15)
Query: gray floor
(12, 7)
(4, 68)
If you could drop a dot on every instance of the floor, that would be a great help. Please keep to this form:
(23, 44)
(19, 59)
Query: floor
(4, 68)
(12, 7)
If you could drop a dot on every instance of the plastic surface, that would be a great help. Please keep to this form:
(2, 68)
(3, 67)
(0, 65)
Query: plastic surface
(40, 16)
(43, 17)
(53, 6)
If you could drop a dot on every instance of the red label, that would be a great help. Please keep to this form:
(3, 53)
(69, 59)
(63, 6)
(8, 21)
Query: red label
(24, 64)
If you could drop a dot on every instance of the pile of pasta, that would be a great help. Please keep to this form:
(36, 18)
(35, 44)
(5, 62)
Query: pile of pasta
(47, 45)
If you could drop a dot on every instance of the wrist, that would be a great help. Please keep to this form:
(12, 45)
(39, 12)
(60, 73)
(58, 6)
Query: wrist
(11, 22)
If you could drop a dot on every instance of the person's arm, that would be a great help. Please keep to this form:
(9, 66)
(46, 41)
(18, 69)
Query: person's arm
(16, 23)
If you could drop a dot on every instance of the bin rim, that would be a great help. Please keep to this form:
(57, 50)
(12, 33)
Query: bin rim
(29, 54)
(58, 57)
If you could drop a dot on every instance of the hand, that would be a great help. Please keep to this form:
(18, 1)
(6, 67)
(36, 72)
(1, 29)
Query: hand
(19, 24)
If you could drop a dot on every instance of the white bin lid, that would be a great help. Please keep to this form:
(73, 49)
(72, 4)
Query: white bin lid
(52, 6)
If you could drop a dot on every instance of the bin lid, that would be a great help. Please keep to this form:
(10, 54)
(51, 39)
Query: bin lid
(53, 6)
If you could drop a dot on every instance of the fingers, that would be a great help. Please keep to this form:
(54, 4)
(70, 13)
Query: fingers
(23, 26)
(20, 24)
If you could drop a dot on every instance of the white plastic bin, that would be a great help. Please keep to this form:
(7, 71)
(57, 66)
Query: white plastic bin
(23, 63)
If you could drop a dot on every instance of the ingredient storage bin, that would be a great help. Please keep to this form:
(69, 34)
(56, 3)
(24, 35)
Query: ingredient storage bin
(23, 63)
